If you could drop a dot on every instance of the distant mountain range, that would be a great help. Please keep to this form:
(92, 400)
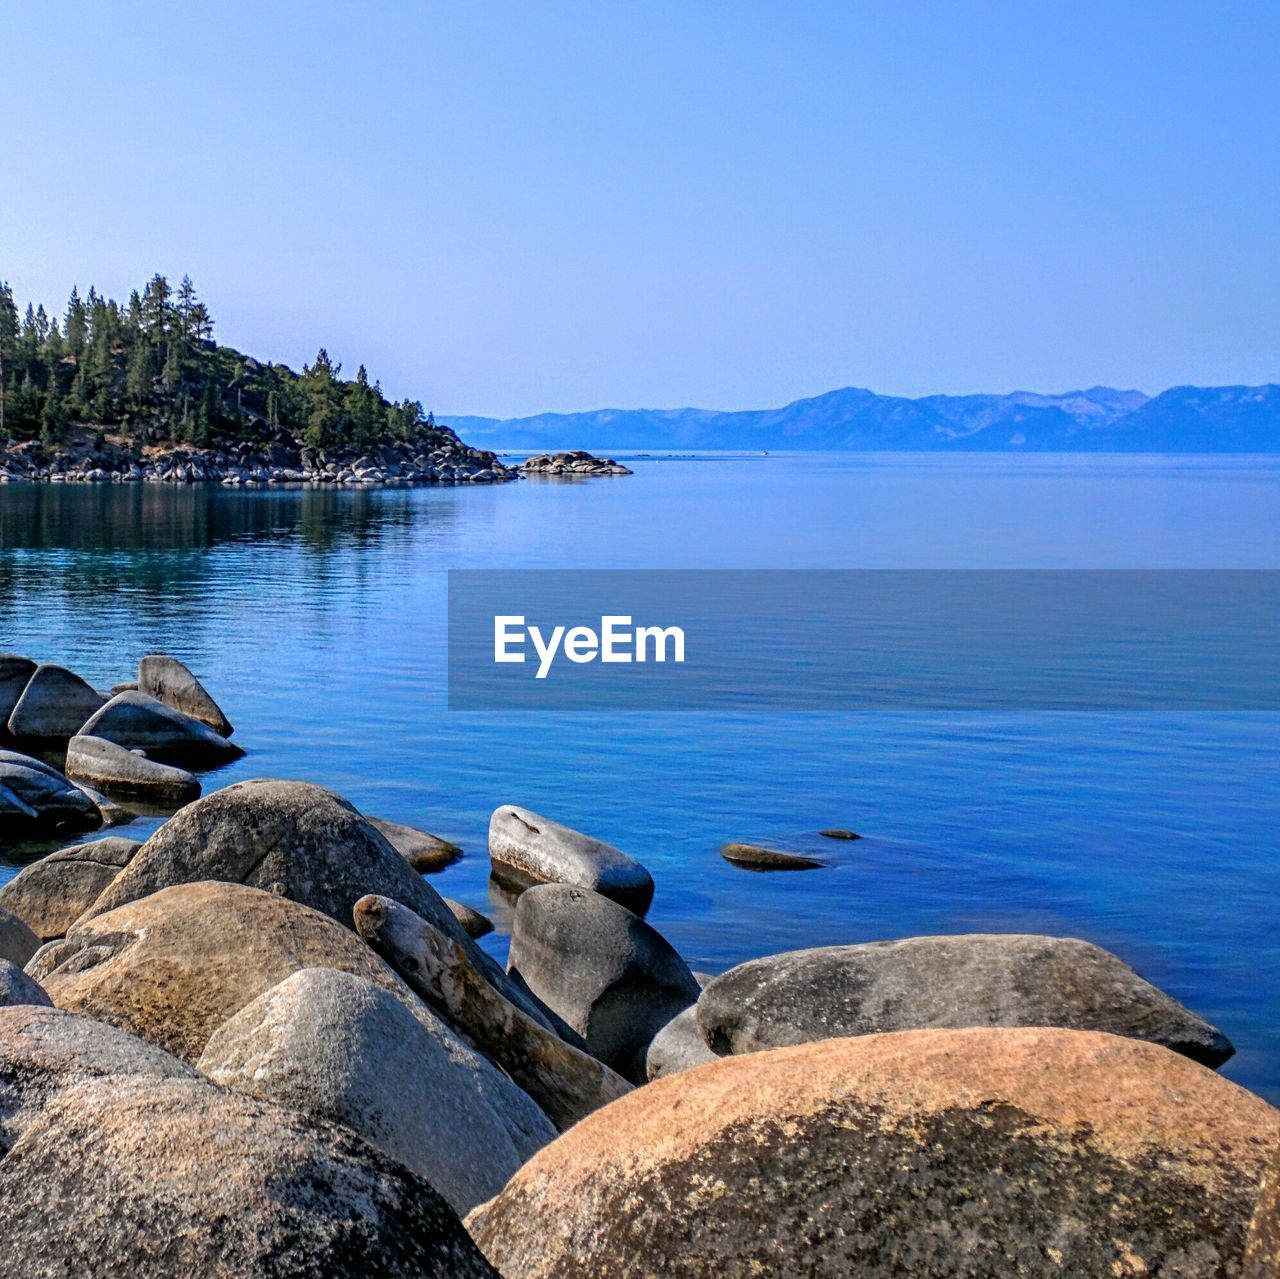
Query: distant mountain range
(1185, 419)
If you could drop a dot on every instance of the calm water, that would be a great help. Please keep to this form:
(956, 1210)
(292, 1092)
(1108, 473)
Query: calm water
(317, 619)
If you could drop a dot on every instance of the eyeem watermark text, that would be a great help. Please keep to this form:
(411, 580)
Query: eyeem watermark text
(617, 640)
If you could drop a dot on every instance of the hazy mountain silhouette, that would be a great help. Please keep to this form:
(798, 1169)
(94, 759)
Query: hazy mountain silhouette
(1185, 419)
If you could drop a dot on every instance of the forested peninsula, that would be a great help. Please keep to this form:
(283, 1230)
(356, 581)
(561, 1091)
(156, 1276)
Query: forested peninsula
(141, 391)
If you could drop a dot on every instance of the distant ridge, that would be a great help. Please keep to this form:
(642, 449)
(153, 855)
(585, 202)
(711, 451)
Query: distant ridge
(1184, 419)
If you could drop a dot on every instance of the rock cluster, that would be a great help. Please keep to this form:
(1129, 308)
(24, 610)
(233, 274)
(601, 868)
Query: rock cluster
(436, 457)
(572, 463)
(261, 1045)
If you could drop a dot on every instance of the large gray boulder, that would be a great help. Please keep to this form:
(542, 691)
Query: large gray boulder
(17, 988)
(119, 771)
(54, 704)
(169, 681)
(678, 1046)
(118, 1161)
(922, 982)
(336, 1046)
(526, 848)
(137, 721)
(15, 673)
(17, 942)
(936, 1154)
(51, 894)
(40, 799)
(615, 980)
(297, 840)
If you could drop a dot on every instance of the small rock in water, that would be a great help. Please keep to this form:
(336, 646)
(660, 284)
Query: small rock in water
(526, 848)
(424, 852)
(942, 1154)
(118, 771)
(169, 681)
(51, 894)
(475, 924)
(754, 857)
(35, 795)
(838, 832)
(612, 977)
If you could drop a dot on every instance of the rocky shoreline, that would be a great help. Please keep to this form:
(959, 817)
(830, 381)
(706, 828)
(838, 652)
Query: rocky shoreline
(261, 1044)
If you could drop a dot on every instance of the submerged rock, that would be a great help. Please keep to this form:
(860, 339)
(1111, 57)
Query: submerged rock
(54, 704)
(615, 980)
(137, 721)
(119, 771)
(172, 967)
(971, 980)
(526, 848)
(17, 942)
(754, 857)
(51, 894)
(838, 832)
(336, 1046)
(169, 681)
(425, 853)
(926, 1155)
(678, 1046)
(17, 988)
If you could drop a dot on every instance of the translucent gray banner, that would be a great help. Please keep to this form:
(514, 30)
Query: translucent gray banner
(878, 640)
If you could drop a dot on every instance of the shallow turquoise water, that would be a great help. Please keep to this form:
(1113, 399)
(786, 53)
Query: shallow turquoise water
(317, 619)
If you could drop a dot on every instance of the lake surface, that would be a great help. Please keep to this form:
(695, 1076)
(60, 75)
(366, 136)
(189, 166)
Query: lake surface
(317, 619)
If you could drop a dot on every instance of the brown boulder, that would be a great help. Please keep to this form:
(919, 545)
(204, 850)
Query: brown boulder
(51, 894)
(174, 966)
(931, 1154)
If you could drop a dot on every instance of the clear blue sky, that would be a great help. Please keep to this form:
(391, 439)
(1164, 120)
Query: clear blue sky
(504, 208)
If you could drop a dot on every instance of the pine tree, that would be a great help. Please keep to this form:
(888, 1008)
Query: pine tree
(8, 347)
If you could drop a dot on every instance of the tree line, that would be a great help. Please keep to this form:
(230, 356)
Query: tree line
(150, 371)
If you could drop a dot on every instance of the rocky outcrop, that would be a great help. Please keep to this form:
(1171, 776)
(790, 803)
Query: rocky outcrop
(1262, 1248)
(173, 1176)
(53, 705)
(526, 848)
(119, 771)
(17, 988)
(17, 942)
(436, 456)
(169, 681)
(139, 722)
(925, 1155)
(971, 980)
(566, 1082)
(474, 924)
(756, 857)
(36, 799)
(300, 841)
(340, 1048)
(51, 894)
(425, 853)
(678, 1046)
(172, 967)
(611, 977)
(570, 464)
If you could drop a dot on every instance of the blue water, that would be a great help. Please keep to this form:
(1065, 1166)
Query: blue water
(317, 619)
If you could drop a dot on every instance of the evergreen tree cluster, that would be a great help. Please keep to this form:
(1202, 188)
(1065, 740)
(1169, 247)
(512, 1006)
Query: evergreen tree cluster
(151, 371)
